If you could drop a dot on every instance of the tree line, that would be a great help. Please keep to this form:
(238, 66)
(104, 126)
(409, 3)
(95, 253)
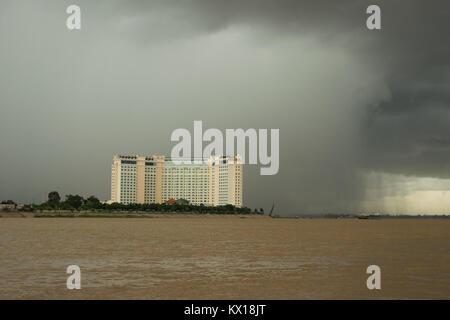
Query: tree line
(92, 203)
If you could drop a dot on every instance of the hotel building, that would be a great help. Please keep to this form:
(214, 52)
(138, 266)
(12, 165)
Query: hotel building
(156, 179)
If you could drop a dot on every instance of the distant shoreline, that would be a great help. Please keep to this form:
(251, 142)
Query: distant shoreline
(114, 215)
(121, 214)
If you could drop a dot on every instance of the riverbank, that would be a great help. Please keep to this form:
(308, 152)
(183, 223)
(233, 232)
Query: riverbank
(133, 214)
(123, 215)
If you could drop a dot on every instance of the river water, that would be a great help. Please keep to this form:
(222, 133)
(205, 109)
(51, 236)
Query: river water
(223, 257)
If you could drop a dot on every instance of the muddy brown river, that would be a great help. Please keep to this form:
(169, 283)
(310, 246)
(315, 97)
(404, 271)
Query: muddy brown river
(224, 257)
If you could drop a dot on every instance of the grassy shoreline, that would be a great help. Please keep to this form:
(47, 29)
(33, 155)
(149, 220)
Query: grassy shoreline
(146, 215)
(199, 215)
(91, 216)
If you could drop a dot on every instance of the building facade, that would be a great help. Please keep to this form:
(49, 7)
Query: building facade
(156, 179)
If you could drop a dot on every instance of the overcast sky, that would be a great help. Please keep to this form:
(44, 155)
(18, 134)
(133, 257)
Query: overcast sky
(363, 115)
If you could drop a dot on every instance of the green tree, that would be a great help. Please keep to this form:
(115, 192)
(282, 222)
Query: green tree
(93, 203)
(75, 201)
(8, 202)
(54, 199)
(183, 201)
(65, 206)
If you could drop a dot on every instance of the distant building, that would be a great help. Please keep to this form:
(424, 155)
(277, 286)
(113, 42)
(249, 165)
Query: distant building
(8, 207)
(155, 179)
(172, 201)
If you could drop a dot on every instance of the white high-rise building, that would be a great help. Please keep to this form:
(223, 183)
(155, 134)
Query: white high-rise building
(155, 179)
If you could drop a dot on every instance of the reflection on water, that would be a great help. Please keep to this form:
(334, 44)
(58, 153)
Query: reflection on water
(223, 258)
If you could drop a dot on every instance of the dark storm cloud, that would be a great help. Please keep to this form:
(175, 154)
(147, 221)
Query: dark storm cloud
(412, 49)
(406, 134)
(347, 100)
